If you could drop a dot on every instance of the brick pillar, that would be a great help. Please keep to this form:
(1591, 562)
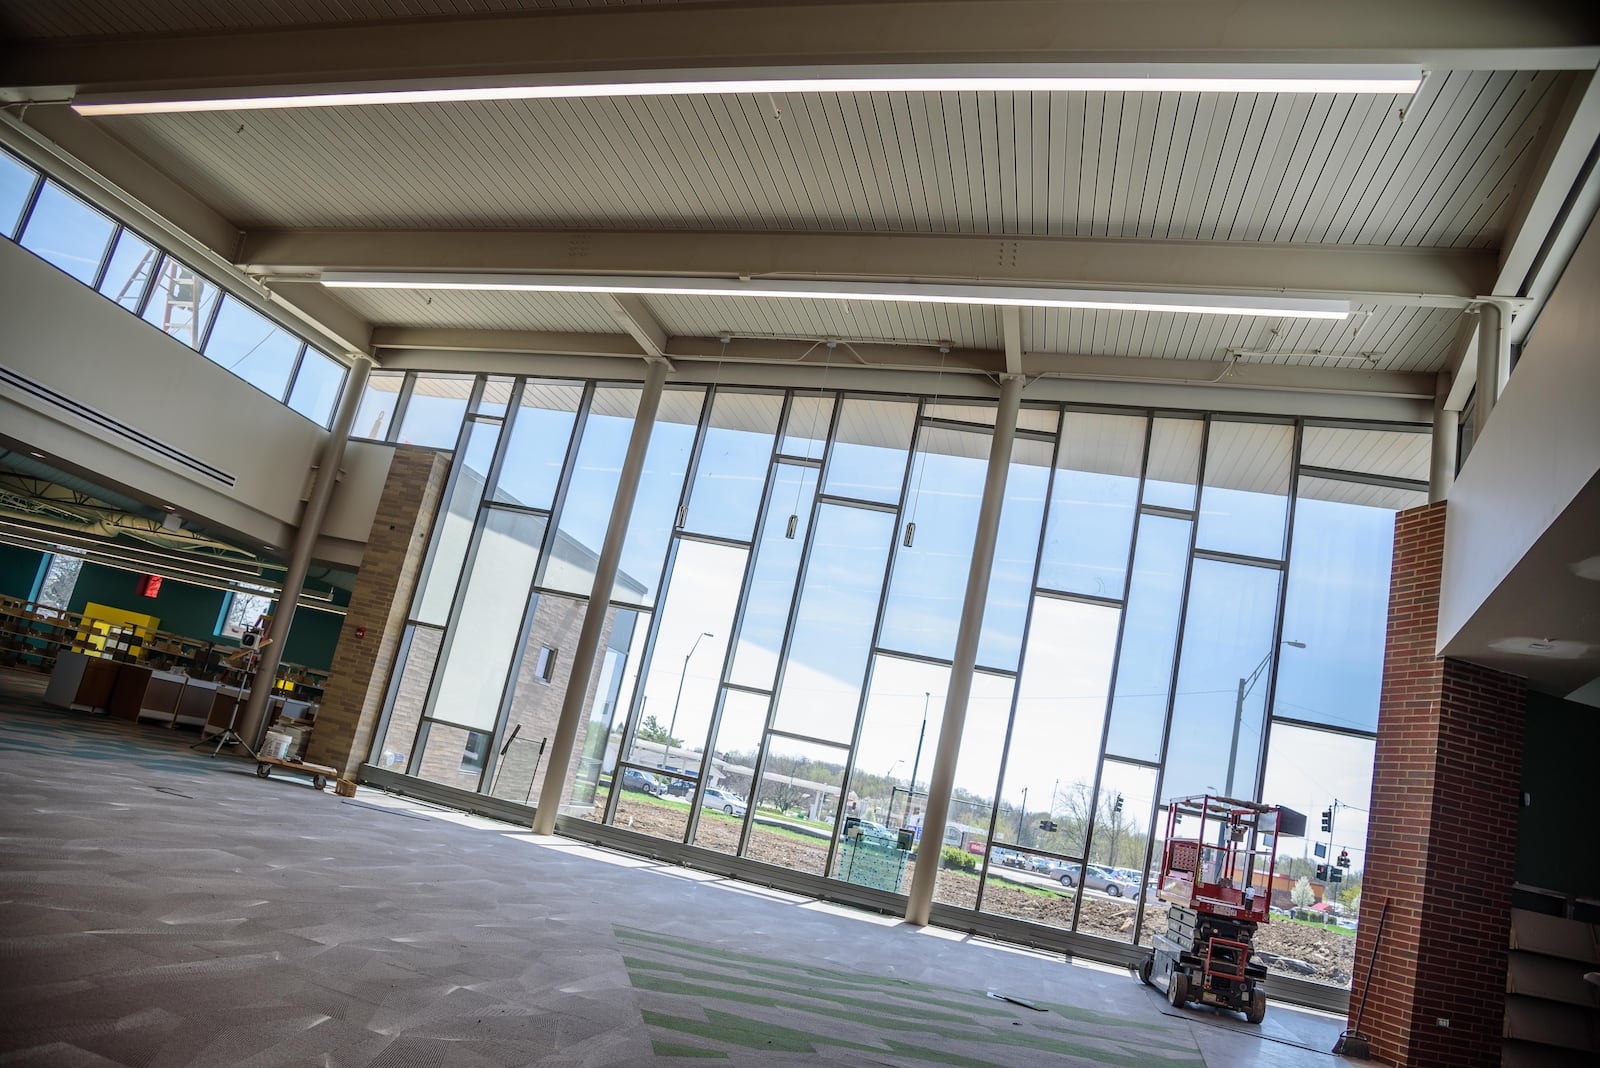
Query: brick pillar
(390, 569)
(1441, 840)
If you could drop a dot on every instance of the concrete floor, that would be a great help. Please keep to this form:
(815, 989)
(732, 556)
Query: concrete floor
(159, 907)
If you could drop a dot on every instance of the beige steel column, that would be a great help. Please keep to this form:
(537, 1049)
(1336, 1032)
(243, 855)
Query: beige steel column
(305, 540)
(594, 616)
(943, 778)
(1446, 435)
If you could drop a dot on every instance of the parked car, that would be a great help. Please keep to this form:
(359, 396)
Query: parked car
(634, 779)
(1099, 877)
(723, 801)
(1009, 857)
(869, 829)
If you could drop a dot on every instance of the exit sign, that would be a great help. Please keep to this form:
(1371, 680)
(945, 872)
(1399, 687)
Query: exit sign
(149, 585)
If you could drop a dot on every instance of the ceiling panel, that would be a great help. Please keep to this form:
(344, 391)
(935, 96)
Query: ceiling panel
(467, 310)
(1392, 453)
(1381, 337)
(89, 17)
(966, 326)
(1436, 169)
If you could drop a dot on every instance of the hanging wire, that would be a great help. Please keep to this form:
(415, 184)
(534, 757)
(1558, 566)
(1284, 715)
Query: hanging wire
(811, 431)
(922, 471)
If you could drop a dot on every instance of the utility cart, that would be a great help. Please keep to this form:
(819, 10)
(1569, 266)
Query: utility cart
(1216, 876)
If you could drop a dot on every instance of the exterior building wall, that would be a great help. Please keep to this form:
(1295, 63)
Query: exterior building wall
(1442, 833)
(390, 570)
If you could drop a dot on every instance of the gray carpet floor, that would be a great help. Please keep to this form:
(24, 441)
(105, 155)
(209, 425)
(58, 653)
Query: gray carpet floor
(159, 907)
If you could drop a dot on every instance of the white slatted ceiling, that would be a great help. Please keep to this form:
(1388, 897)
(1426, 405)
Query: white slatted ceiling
(966, 326)
(1376, 452)
(1255, 457)
(467, 310)
(1208, 166)
(88, 17)
(1401, 338)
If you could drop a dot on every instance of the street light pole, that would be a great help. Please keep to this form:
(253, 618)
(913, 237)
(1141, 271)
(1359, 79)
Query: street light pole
(673, 726)
(917, 763)
(1245, 686)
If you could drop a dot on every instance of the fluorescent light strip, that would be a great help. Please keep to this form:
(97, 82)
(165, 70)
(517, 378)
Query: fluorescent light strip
(1008, 296)
(1020, 78)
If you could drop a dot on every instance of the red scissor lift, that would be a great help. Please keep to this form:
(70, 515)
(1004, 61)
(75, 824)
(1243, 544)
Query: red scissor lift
(1216, 874)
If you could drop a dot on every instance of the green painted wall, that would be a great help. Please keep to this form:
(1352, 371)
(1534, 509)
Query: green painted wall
(1558, 789)
(18, 568)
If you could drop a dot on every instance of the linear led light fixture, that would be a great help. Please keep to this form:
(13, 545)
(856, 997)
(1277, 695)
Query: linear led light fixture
(919, 78)
(891, 292)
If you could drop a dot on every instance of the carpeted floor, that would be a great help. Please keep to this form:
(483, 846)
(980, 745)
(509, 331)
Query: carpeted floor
(159, 907)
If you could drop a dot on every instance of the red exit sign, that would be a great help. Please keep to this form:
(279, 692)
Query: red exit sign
(149, 585)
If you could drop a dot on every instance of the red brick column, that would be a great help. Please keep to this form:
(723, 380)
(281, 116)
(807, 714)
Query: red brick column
(1441, 842)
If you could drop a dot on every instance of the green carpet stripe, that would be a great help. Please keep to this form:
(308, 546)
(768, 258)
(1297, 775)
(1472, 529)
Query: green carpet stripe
(677, 1049)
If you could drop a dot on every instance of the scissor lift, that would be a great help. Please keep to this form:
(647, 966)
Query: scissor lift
(1216, 875)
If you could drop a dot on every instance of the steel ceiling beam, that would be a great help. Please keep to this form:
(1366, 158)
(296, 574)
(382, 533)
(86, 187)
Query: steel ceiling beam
(1410, 276)
(1439, 34)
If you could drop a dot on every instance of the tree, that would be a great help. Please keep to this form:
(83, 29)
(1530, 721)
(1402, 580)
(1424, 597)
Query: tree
(1301, 895)
(651, 731)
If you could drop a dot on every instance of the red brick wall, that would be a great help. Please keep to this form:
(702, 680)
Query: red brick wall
(1442, 834)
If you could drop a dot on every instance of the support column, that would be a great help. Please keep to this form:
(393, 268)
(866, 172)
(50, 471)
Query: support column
(1441, 840)
(1446, 436)
(305, 540)
(594, 616)
(942, 780)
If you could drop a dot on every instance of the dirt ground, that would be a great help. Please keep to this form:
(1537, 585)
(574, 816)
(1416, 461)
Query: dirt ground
(1289, 948)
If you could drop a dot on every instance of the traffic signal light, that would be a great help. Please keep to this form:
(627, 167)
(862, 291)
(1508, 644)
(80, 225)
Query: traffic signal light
(1335, 875)
(1118, 806)
(1327, 820)
(1322, 872)
(1047, 825)
(1344, 858)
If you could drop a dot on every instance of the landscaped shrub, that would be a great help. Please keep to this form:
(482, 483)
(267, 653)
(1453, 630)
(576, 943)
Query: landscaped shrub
(958, 859)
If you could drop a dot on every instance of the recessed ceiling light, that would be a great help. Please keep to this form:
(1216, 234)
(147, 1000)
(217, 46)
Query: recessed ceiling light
(36, 455)
(891, 292)
(903, 78)
(170, 507)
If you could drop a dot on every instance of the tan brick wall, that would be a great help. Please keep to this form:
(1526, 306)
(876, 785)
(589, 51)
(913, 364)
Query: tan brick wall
(1441, 841)
(390, 567)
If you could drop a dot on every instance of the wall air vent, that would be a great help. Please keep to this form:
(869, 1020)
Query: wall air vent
(106, 423)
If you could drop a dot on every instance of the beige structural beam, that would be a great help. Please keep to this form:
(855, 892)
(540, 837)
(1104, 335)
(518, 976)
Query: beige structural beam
(1437, 34)
(1376, 275)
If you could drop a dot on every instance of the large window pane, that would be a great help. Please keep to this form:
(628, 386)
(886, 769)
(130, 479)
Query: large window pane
(1122, 823)
(805, 433)
(655, 507)
(379, 396)
(1245, 501)
(1174, 462)
(434, 412)
(537, 450)
(495, 396)
(454, 757)
(733, 763)
(245, 343)
(473, 676)
(128, 272)
(65, 231)
(828, 651)
(1016, 548)
(1150, 639)
(899, 736)
(1061, 708)
(1338, 606)
(682, 681)
(1222, 681)
(454, 528)
(868, 460)
(1395, 453)
(798, 796)
(600, 738)
(733, 464)
(181, 301)
(1092, 504)
(317, 386)
(930, 575)
(410, 696)
(972, 802)
(587, 509)
(16, 181)
(773, 577)
(1309, 771)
